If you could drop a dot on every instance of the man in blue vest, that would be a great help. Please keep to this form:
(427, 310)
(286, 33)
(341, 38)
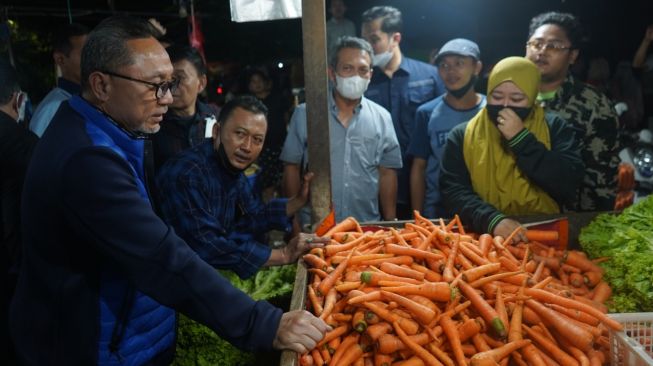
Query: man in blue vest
(102, 274)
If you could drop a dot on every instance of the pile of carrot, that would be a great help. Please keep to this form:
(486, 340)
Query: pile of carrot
(432, 294)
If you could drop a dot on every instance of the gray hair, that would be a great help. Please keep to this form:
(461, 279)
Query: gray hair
(349, 42)
(106, 47)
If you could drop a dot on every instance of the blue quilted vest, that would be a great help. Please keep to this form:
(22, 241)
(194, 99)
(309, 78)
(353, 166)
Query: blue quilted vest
(133, 327)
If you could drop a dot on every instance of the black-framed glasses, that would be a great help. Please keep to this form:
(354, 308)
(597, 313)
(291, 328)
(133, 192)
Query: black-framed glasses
(539, 46)
(161, 88)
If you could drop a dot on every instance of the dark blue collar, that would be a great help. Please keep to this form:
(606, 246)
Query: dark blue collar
(69, 86)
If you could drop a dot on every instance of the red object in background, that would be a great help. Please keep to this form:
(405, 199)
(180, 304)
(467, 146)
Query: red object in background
(195, 35)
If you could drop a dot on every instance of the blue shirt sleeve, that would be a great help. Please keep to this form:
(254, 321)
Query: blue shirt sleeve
(295, 144)
(419, 143)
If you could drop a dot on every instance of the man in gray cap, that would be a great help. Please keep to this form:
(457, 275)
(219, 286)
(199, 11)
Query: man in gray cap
(459, 65)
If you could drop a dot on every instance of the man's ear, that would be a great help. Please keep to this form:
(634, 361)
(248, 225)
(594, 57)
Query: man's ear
(216, 131)
(573, 56)
(100, 85)
(479, 68)
(332, 74)
(397, 37)
(59, 58)
(202, 84)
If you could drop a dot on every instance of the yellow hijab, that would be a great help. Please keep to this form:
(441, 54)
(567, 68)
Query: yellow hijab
(491, 164)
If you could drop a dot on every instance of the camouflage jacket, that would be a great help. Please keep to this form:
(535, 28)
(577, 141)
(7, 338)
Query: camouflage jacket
(594, 118)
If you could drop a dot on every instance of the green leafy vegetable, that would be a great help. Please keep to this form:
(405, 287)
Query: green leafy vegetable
(627, 239)
(198, 345)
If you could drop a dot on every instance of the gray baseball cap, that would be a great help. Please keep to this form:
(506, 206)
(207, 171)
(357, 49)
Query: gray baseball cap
(460, 47)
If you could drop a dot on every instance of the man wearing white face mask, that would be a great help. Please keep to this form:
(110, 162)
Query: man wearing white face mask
(400, 84)
(363, 145)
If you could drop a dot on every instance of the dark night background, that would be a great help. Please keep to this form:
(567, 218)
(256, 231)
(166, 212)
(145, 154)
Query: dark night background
(615, 29)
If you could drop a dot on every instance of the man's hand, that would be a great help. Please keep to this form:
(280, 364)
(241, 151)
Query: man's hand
(509, 123)
(301, 198)
(302, 244)
(505, 227)
(299, 331)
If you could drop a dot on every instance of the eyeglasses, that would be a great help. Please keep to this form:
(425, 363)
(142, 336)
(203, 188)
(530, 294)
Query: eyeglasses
(539, 46)
(161, 88)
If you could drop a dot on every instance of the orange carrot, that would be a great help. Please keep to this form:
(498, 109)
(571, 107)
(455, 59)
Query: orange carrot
(579, 260)
(484, 309)
(335, 333)
(485, 243)
(447, 273)
(542, 235)
(373, 278)
(318, 272)
(340, 317)
(316, 302)
(551, 298)
(398, 260)
(492, 357)
(332, 249)
(348, 224)
(350, 355)
(318, 360)
(449, 329)
(592, 278)
(577, 336)
(434, 348)
(350, 341)
(375, 331)
(475, 273)
(576, 279)
(329, 303)
(415, 253)
(550, 348)
(315, 261)
(382, 360)
(469, 250)
(389, 343)
(419, 311)
(602, 292)
(438, 291)
(393, 269)
(370, 296)
(575, 314)
(413, 361)
(358, 321)
(427, 357)
(343, 237)
(347, 286)
(330, 280)
(498, 276)
(429, 275)
(410, 326)
(500, 307)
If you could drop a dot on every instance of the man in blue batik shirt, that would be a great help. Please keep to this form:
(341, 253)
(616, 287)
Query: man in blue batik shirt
(206, 197)
(400, 84)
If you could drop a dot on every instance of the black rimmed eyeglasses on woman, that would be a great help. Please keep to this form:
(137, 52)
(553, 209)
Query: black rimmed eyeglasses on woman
(161, 88)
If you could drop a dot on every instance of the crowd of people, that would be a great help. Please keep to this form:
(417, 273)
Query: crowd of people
(125, 190)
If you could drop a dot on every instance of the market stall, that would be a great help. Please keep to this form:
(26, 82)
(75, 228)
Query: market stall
(617, 277)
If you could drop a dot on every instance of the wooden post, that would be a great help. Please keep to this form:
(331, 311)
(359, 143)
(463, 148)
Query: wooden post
(317, 108)
(317, 118)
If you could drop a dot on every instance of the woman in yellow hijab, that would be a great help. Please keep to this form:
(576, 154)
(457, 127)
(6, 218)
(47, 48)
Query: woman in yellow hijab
(512, 158)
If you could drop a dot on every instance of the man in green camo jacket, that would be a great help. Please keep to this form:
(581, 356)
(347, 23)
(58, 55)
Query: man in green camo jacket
(553, 45)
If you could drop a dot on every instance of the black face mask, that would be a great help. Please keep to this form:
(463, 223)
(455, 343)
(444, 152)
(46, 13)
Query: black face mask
(459, 93)
(494, 109)
(223, 159)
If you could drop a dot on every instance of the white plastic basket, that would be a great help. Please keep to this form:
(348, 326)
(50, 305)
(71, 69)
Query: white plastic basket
(634, 345)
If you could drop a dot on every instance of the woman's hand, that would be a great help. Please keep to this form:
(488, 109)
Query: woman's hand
(509, 123)
(506, 226)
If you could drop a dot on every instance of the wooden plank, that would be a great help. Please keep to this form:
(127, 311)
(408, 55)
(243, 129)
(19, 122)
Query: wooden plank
(298, 301)
(317, 117)
(317, 108)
